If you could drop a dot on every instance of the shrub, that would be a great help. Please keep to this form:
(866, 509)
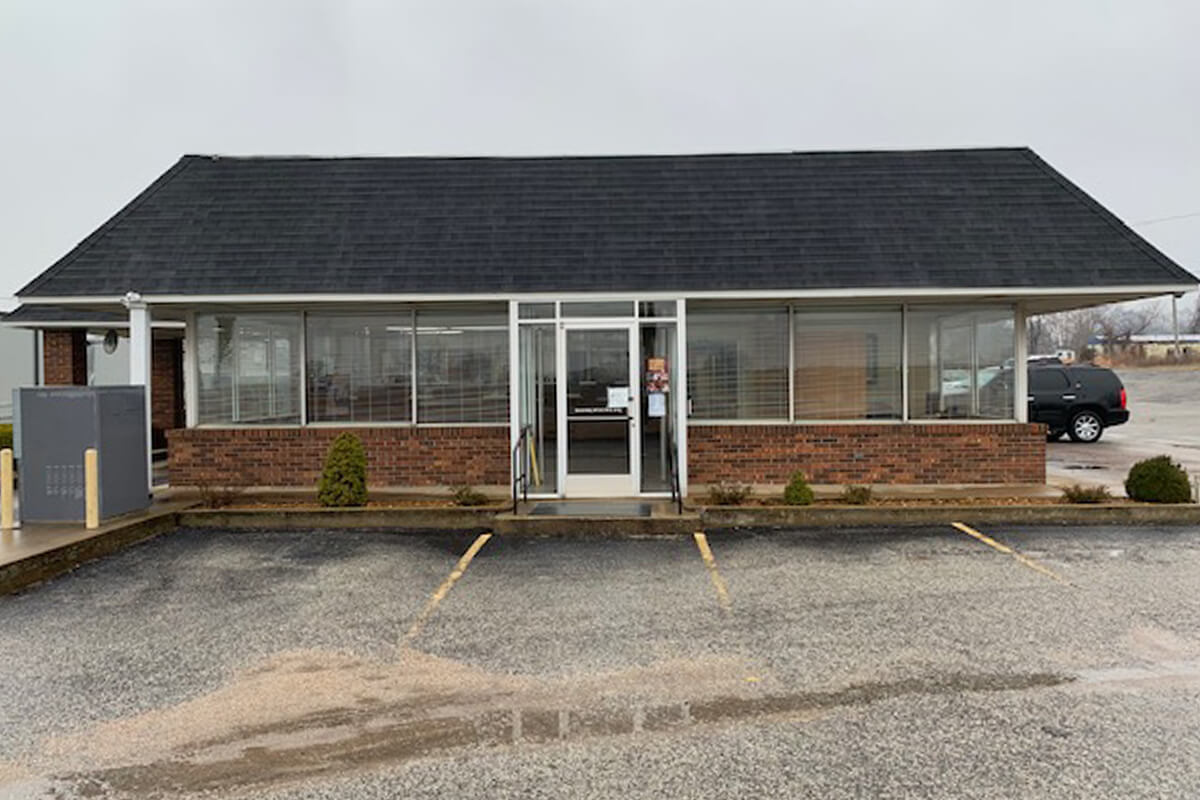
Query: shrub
(857, 495)
(467, 496)
(798, 492)
(727, 493)
(1158, 480)
(6, 436)
(344, 479)
(1086, 494)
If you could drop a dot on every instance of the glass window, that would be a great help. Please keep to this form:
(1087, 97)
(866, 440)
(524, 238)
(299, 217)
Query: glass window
(598, 309)
(535, 311)
(848, 364)
(360, 368)
(960, 363)
(738, 363)
(657, 308)
(248, 368)
(539, 405)
(462, 367)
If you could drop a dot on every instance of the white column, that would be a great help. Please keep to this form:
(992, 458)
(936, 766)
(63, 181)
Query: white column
(681, 395)
(140, 360)
(514, 384)
(1020, 366)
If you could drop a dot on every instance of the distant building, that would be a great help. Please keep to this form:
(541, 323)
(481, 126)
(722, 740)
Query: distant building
(1148, 345)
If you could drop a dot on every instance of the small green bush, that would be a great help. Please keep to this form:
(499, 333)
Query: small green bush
(467, 496)
(1158, 480)
(857, 495)
(1086, 494)
(727, 493)
(798, 492)
(6, 436)
(344, 479)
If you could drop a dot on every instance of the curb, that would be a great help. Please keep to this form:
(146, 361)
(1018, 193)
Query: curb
(718, 517)
(400, 520)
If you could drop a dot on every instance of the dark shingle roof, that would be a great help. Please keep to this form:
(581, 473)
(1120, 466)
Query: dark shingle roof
(46, 315)
(937, 219)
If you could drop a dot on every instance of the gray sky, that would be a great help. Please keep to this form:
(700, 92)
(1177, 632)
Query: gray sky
(98, 98)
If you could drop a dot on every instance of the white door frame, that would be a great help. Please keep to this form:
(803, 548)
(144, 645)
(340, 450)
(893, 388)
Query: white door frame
(623, 485)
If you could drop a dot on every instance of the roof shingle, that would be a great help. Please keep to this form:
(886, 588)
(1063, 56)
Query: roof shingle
(928, 219)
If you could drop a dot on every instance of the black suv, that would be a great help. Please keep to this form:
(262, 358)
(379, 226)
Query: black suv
(1080, 400)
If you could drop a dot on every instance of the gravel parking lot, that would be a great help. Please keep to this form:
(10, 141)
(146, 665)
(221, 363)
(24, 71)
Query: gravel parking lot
(1165, 418)
(927, 664)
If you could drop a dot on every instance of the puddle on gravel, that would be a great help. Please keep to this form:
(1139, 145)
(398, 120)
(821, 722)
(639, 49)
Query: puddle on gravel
(308, 714)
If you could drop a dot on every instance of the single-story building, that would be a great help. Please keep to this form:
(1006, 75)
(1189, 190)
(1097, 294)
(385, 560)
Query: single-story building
(589, 322)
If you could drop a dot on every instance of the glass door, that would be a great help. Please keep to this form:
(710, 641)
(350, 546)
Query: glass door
(600, 410)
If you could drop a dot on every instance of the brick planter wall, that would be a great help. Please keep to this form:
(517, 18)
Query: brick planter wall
(294, 456)
(64, 358)
(909, 453)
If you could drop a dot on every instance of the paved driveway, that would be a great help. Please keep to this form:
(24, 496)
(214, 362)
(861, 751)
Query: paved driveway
(1165, 418)
(923, 664)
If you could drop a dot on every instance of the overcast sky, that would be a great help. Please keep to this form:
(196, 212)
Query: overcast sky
(98, 97)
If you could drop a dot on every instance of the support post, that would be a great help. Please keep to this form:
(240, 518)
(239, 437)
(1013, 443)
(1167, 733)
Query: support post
(140, 361)
(1020, 365)
(6, 489)
(91, 489)
(1175, 326)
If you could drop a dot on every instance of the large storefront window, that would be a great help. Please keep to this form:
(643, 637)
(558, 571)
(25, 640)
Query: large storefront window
(848, 364)
(248, 368)
(462, 367)
(960, 363)
(360, 367)
(738, 363)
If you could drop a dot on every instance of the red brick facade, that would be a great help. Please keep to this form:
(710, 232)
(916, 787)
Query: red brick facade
(400, 456)
(902, 454)
(64, 358)
(397, 456)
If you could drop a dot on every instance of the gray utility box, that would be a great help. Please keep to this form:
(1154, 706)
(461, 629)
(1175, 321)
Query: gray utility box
(54, 425)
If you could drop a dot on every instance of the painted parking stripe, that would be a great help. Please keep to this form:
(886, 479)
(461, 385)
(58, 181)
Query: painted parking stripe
(717, 581)
(1003, 548)
(440, 594)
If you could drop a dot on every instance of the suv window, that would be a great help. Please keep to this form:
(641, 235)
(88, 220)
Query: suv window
(1047, 380)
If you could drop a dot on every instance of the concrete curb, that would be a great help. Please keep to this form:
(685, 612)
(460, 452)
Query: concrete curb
(718, 517)
(598, 527)
(48, 564)
(400, 520)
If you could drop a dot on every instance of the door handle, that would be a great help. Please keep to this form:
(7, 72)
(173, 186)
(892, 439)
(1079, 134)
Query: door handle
(1068, 397)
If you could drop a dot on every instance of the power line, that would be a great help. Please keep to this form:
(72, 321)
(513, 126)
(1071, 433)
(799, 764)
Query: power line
(1165, 219)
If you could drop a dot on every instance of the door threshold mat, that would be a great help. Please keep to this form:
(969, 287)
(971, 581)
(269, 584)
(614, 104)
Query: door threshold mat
(600, 508)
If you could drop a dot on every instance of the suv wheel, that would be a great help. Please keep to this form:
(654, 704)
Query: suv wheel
(1086, 427)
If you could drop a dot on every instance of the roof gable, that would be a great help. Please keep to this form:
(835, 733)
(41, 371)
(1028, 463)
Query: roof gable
(926, 219)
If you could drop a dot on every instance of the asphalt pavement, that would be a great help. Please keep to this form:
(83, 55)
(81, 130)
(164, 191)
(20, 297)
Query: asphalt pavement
(873, 664)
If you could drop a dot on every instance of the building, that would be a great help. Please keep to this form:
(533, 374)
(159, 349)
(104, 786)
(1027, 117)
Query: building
(595, 320)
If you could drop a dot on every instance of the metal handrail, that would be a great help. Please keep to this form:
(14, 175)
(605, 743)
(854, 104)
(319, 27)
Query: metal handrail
(676, 491)
(520, 462)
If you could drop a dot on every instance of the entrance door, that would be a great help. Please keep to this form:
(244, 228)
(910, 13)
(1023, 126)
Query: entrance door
(601, 410)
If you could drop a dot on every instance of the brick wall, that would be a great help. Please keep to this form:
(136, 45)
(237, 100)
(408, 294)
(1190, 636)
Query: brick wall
(294, 456)
(166, 389)
(909, 453)
(64, 358)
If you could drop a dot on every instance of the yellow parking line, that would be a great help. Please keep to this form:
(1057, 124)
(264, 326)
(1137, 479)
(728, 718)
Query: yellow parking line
(1003, 548)
(443, 590)
(717, 581)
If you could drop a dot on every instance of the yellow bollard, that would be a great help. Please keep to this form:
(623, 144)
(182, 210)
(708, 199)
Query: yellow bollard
(6, 489)
(91, 488)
